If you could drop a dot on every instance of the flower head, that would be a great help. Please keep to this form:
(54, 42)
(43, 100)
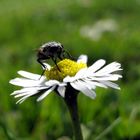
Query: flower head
(76, 74)
(67, 67)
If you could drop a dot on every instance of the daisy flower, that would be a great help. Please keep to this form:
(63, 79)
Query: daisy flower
(74, 74)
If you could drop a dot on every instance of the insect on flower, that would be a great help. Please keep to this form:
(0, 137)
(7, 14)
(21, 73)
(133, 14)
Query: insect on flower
(50, 50)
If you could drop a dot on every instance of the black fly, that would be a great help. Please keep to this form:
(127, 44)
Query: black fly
(51, 50)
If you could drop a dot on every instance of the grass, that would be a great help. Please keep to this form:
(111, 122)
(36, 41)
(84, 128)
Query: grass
(25, 25)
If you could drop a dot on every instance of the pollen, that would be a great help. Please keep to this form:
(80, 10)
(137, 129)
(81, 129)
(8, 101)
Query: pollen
(66, 67)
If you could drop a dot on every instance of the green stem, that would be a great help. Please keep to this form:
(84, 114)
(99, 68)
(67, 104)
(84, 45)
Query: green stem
(71, 102)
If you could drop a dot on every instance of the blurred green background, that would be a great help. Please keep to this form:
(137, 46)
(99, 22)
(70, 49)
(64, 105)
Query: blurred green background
(108, 29)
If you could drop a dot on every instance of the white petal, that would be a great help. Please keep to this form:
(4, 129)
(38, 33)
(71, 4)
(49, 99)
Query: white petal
(69, 79)
(96, 66)
(61, 90)
(27, 96)
(28, 89)
(62, 84)
(29, 75)
(81, 73)
(82, 58)
(105, 78)
(46, 93)
(24, 82)
(89, 92)
(93, 84)
(111, 84)
(23, 90)
(52, 83)
(26, 93)
(84, 89)
(112, 67)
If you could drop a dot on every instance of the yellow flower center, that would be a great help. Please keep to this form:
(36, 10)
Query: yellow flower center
(66, 67)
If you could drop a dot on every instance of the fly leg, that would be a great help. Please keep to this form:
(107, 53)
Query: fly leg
(54, 60)
(44, 67)
(39, 61)
(65, 53)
